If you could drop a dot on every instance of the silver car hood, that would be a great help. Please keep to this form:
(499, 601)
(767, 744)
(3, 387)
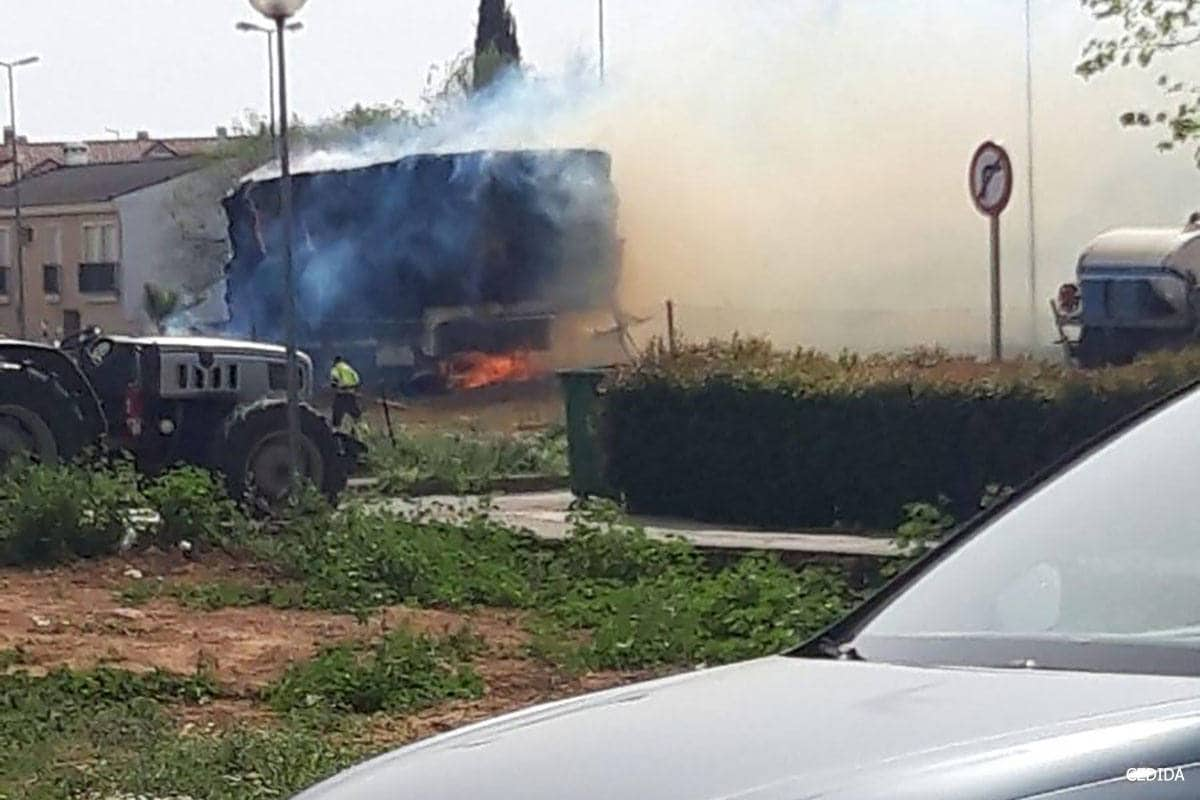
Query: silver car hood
(789, 729)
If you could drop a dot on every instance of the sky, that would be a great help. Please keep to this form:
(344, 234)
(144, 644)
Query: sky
(178, 67)
(805, 158)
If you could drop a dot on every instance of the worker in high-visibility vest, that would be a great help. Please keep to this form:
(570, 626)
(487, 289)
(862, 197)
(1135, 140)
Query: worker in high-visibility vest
(345, 382)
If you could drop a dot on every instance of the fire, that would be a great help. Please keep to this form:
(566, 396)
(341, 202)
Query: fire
(475, 370)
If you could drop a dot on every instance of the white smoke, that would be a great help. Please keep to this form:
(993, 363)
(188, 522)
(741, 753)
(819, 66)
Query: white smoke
(801, 172)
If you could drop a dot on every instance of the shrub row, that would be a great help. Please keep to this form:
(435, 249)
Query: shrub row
(740, 432)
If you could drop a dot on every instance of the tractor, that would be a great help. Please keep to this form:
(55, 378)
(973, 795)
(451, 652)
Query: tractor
(215, 403)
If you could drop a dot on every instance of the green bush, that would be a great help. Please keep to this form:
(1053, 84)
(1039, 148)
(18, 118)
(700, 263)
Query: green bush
(401, 672)
(193, 506)
(739, 432)
(53, 513)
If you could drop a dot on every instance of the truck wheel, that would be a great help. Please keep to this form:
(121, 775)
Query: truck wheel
(256, 453)
(39, 419)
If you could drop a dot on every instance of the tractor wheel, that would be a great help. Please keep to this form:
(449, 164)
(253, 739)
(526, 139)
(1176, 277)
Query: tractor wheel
(256, 454)
(39, 419)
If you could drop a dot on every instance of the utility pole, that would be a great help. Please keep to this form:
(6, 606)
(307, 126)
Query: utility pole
(289, 272)
(1033, 300)
(601, 41)
(279, 11)
(16, 162)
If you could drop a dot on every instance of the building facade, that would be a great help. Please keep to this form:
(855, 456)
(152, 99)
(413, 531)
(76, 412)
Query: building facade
(95, 235)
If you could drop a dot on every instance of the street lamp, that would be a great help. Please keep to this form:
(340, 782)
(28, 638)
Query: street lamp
(279, 11)
(12, 112)
(250, 27)
(602, 41)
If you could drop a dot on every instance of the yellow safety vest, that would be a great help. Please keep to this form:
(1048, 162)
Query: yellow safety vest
(343, 377)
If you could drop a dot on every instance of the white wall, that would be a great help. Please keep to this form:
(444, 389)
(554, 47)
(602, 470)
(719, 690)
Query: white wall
(174, 234)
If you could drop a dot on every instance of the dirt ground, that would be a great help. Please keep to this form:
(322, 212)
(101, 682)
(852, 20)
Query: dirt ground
(73, 617)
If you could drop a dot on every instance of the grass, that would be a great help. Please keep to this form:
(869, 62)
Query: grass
(464, 462)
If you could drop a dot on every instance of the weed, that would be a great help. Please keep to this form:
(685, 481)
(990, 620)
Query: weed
(13, 657)
(401, 672)
(215, 595)
(105, 734)
(192, 506)
(464, 462)
(356, 560)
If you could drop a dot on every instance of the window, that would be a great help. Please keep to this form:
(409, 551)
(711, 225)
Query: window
(6, 254)
(54, 245)
(52, 279)
(52, 266)
(3, 281)
(100, 243)
(98, 278)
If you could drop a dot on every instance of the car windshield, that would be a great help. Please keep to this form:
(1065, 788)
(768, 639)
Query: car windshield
(1099, 569)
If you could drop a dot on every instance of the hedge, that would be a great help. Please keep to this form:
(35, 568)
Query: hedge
(738, 432)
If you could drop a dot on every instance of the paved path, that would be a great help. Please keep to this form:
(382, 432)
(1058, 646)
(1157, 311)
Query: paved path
(545, 515)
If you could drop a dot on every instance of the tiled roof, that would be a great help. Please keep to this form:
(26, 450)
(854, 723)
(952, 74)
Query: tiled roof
(38, 157)
(96, 183)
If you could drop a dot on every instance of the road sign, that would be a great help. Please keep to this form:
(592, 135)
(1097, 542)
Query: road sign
(991, 179)
(991, 184)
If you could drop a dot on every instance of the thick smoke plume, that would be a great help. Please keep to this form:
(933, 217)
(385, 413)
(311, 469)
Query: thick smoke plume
(800, 172)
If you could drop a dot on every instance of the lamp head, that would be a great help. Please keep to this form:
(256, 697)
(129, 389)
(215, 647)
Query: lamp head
(277, 9)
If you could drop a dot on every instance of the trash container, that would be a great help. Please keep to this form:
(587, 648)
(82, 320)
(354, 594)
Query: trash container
(582, 399)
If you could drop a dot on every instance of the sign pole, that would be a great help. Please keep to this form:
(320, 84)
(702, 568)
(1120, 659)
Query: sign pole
(991, 181)
(997, 354)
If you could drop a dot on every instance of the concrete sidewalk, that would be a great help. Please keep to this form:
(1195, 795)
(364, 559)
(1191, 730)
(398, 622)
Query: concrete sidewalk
(545, 515)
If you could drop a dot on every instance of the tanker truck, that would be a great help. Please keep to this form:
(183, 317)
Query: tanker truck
(405, 266)
(1135, 291)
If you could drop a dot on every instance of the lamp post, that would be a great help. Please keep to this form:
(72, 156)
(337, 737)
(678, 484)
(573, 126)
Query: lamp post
(250, 27)
(12, 114)
(1033, 303)
(601, 41)
(280, 11)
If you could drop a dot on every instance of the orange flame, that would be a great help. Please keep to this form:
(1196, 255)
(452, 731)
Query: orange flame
(475, 370)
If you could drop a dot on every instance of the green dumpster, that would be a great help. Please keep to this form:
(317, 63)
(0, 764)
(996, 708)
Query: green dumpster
(582, 398)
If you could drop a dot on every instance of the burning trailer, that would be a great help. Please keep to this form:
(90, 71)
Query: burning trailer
(419, 268)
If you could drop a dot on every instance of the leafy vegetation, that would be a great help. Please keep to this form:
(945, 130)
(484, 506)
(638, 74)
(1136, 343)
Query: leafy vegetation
(399, 673)
(1136, 34)
(52, 513)
(608, 597)
(355, 560)
(741, 432)
(464, 462)
(193, 506)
